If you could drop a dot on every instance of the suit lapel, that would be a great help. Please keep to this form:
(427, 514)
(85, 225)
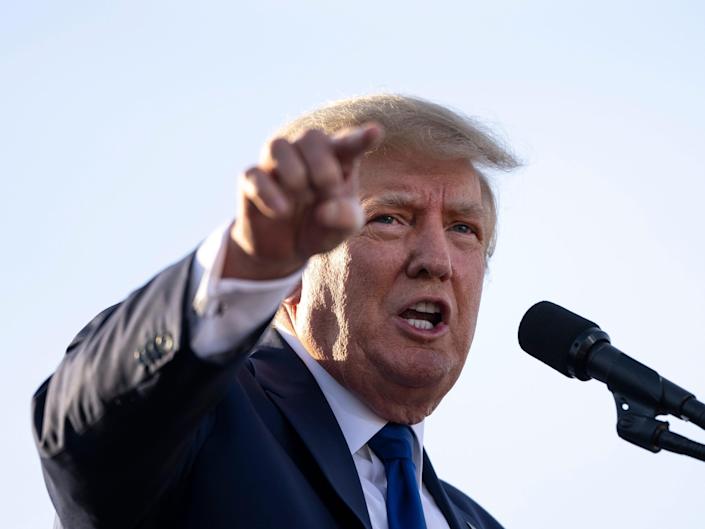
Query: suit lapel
(434, 486)
(294, 390)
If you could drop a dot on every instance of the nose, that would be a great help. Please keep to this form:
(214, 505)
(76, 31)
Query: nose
(429, 253)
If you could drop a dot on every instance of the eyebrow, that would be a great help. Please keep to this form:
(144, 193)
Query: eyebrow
(401, 200)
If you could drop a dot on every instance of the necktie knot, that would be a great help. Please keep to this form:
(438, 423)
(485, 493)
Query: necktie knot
(394, 441)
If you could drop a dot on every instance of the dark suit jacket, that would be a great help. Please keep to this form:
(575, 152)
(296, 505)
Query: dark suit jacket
(134, 430)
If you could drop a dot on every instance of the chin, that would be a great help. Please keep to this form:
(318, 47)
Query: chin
(404, 413)
(416, 369)
(409, 399)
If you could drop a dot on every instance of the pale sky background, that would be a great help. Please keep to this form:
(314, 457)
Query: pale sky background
(123, 126)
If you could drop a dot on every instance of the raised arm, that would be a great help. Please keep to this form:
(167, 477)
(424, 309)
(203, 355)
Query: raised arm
(123, 414)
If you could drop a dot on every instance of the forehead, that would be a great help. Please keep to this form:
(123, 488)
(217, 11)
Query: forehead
(414, 178)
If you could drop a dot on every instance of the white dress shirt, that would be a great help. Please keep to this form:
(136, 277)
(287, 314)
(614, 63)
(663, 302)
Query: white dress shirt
(227, 310)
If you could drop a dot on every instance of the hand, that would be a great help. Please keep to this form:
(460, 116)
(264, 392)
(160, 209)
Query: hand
(301, 200)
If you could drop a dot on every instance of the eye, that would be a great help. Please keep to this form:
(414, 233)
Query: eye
(383, 219)
(463, 228)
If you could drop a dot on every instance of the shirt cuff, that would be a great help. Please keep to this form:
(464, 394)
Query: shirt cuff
(226, 311)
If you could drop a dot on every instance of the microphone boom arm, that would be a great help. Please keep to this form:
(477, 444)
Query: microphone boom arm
(637, 424)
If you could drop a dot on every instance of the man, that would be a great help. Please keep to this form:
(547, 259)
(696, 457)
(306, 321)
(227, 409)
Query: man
(366, 226)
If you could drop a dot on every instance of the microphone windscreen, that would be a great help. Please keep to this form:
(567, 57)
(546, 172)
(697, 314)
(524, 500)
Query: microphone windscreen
(547, 332)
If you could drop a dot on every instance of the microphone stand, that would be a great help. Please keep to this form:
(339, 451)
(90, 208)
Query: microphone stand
(637, 423)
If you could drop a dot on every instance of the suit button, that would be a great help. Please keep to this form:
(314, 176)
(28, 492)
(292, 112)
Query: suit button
(141, 357)
(151, 351)
(164, 343)
(155, 349)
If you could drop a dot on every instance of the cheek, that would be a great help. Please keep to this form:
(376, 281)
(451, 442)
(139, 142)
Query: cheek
(474, 292)
(372, 274)
(469, 293)
(469, 272)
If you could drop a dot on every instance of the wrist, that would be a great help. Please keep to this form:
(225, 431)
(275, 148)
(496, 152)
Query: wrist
(242, 262)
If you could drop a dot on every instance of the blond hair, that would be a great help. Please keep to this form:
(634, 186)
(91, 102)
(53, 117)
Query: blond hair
(415, 125)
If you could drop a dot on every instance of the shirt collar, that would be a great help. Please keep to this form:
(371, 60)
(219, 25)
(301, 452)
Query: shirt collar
(356, 420)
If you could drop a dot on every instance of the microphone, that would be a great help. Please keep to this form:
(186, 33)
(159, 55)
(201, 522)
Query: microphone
(578, 348)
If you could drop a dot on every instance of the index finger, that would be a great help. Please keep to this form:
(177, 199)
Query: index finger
(350, 144)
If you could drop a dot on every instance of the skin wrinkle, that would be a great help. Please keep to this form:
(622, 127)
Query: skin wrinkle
(340, 261)
(347, 311)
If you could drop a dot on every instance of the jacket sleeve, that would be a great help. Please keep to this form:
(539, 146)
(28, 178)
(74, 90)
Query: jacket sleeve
(117, 422)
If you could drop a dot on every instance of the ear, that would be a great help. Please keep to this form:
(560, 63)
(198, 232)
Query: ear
(293, 298)
(286, 315)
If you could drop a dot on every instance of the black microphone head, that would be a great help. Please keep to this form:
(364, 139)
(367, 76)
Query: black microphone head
(548, 331)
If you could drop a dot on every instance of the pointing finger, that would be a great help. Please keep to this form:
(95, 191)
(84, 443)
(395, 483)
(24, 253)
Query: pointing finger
(350, 144)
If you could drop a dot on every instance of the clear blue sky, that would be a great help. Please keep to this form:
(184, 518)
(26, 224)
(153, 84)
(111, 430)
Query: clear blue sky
(123, 126)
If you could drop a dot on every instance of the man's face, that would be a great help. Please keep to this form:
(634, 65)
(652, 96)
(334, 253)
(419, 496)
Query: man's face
(391, 312)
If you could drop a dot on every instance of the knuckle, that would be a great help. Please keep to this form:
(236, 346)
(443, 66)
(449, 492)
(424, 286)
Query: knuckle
(278, 147)
(252, 174)
(313, 136)
(256, 179)
(287, 165)
(316, 151)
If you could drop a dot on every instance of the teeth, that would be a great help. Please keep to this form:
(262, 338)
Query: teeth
(420, 324)
(426, 306)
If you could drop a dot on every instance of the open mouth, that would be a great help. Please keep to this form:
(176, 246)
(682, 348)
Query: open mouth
(424, 315)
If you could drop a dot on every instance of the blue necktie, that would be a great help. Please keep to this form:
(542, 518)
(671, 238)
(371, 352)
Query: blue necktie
(393, 445)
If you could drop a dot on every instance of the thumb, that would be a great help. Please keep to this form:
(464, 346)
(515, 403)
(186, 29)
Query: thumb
(341, 213)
